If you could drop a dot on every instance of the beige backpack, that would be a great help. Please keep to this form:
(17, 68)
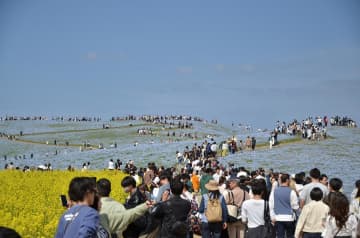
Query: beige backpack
(213, 210)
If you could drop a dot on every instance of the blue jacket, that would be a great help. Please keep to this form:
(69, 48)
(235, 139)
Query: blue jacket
(203, 206)
(79, 221)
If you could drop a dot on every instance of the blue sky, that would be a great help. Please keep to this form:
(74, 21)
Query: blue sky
(243, 61)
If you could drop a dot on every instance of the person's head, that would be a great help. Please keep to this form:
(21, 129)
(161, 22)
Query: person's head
(222, 180)
(335, 184)
(357, 185)
(128, 183)
(233, 183)
(257, 187)
(339, 209)
(324, 179)
(82, 189)
(209, 171)
(285, 179)
(176, 186)
(316, 194)
(103, 187)
(299, 179)
(164, 179)
(315, 173)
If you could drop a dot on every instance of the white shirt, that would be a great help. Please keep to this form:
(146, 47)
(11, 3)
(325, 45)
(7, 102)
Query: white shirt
(252, 212)
(348, 230)
(213, 147)
(305, 194)
(241, 173)
(111, 165)
(216, 177)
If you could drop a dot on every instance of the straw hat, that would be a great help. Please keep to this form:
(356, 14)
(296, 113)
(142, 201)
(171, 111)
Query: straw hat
(212, 185)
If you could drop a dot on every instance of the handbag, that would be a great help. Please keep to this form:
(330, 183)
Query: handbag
(269, 230)
(232, 210)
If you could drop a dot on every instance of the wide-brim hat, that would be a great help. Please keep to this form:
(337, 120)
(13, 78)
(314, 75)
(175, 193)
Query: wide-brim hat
(212, 185)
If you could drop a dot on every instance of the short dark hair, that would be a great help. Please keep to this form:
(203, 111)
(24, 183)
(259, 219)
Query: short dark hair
(315, 173)
(316, 194)
(79, 186)
(176, 186)
(336, 184)
(103, 187)
(322, 176)
(284, 178)
(128, 181)
(257, 187)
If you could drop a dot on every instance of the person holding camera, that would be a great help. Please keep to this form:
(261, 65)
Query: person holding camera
(80, 220)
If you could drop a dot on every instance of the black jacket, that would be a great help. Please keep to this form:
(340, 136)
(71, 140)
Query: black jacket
(174, 208)
(139, 225)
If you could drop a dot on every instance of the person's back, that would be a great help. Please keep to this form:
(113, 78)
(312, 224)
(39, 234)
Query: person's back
(252, 212)
(305, 194)
(78, 221)
(113, 213)
(204, 180)
(312, 216)
(236, 196)
(173, 213)
(177, 207)
(340, 223)
(283, 201)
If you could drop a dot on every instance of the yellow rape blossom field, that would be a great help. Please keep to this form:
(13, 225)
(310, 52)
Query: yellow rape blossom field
(30, 202)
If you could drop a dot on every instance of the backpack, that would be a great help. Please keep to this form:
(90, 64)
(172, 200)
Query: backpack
(213, 210)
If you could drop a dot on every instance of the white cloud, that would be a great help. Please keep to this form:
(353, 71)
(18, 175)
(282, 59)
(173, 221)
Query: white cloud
(184, 70)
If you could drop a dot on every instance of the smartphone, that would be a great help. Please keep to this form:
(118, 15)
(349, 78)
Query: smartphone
(63, 200)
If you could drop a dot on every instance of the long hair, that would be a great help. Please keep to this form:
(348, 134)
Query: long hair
(357, 184)
(339, 209)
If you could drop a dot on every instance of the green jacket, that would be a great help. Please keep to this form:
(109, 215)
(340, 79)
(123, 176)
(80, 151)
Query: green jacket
(115, 218)
(204, 180)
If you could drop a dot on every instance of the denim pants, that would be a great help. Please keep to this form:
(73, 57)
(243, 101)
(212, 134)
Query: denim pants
(211, 230)
(285, 227)
(311, 235)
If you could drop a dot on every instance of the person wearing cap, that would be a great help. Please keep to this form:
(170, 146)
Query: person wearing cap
(236, 229)
(212, 229)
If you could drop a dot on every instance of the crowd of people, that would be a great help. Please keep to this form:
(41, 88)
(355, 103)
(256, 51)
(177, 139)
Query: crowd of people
(45, 118)
(210, 200)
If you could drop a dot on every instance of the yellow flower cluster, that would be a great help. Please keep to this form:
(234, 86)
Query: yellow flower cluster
(30, 202)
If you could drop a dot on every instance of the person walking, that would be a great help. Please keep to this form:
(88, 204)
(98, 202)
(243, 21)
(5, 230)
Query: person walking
(283, 202)
(236, 196)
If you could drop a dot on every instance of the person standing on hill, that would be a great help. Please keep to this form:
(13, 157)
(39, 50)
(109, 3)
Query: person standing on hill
(253, 143)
